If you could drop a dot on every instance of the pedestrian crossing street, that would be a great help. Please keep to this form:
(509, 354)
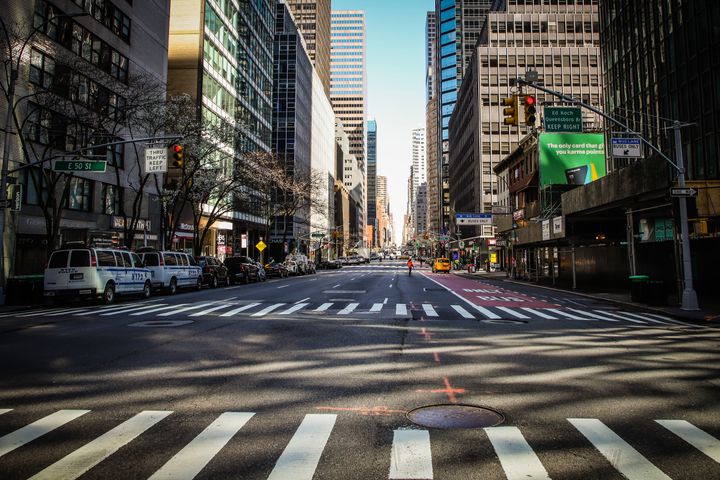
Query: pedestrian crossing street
(409, 454)
(356, 309)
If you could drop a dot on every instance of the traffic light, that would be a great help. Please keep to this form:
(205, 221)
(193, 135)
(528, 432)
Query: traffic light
(178, 156)
(530, 110)
(511, 110)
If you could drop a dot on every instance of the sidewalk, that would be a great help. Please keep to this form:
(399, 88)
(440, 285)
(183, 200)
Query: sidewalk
(709, 312)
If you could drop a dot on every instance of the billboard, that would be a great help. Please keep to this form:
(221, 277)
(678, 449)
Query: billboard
(571, 158)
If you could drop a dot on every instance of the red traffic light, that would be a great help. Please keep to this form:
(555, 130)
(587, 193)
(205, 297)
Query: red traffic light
(529, 100)
(178, 148)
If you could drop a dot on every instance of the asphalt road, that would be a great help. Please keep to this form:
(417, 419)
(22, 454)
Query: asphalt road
(311, 378)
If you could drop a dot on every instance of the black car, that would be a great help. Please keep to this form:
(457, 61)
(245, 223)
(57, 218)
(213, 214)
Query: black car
(276, 269)
(241, 269)
(329, 264)
(213, 271)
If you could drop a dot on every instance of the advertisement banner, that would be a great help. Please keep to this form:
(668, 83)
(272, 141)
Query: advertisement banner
(571, 158)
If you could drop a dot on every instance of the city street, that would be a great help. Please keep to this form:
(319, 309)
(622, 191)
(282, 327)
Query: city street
(311, 378)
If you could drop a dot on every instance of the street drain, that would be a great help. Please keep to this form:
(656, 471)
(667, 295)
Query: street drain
(455, 416)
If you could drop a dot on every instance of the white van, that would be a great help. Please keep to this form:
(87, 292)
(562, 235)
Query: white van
(103, 272)
(172, 270)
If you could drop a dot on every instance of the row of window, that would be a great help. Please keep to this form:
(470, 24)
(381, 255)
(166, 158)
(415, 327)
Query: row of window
(539, 61)
(49, 20)
(109, 15)
(79, 196)
(544, 26)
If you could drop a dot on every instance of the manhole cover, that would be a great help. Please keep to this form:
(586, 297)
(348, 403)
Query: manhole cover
(455, 416)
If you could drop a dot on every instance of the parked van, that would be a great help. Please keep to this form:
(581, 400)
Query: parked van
(93, 272)
(172, 270)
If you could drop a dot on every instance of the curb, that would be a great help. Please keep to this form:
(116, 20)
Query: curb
(635, 306)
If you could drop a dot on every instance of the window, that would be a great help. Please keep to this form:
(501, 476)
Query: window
(136, 259)
(80, 258)
(170, 259)
(105, 258)
(42, 69)
(80, 195)
(59, 259)
(126, 258)
(112, 199)
(151, 259)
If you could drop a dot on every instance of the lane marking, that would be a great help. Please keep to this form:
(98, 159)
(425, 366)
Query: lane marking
(66, 312)
(391, 285)
(267, 310)
(43, 312)
(652, 320)
(567, 315)
(37, 429)
(624, 458)
(699, 439)
(672, 320)
(401, 309)
(189, 461)
(86, 457)
(336, 286)
(303, 300)
(490, 315)
(517, 458)
(513, 313)
(621, 317)
(125, 309)
(5, 410)
(349, 309)
(283, 286)
(411, 457)
(538, 313)
(294, 308)
(180, 310)
(302, 455)
(239, 309)
(376, 307)
(593, 315)
(385, 301)
(463, 312)
(209, 310)
(323, 307)
(145, 312)
(429, 310)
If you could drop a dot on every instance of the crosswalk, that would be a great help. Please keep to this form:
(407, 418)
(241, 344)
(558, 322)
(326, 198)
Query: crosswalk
(356, 309)
(407, 453)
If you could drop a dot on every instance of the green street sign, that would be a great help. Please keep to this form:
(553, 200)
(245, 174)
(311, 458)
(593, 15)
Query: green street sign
(80, 166)
(317, 235)
(563, 119)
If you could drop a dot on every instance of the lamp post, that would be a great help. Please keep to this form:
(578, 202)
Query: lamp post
(14, 65)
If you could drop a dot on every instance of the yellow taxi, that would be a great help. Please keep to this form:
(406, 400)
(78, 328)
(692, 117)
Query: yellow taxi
(441, 265)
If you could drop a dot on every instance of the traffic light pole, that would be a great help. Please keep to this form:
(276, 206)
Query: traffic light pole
(689, 296)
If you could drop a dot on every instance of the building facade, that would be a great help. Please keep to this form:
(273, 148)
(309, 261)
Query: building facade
(518, 37)
(73, 64)
(322, 154)
(372, 214)
(459, 23)
(430, 42)
(313, 20)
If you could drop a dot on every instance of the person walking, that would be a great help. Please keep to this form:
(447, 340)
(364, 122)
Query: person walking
(410, 266)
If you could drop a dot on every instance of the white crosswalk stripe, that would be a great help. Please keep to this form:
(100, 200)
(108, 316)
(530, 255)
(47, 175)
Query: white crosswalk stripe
(429, 310)
(209, 310)
(323, 307)
(539, 313)
(185, 309)
(672, 320)
(37, 429)
(699, 439)
(464, 313)
(411, 458)
(513, 313)
(118, 309)
(621, 317)
(644, 318)
(594, 315)
(401, 309)
(65, 312)
(189, 461)
(239, 309)
(301, 456)
(5, 410)
(160, 309)
(487, 313)
(267, 310)
(516, 457)
(52, 311)
(624, 458)
(294, 308)
(86, 457)
(127, 309)
(562, 313)
(376, 307)
(349, 309)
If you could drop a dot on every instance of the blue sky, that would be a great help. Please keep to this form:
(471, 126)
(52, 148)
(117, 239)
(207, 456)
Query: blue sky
(396, 85)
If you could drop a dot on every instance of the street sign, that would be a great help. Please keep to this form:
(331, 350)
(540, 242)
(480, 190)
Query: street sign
(156, 160)
(15, 195)
(444, 238)
(473, 218)
(683, 192)
(80, 166)
(261, 246)
(563, 119)
(626, 147)
(317, 235)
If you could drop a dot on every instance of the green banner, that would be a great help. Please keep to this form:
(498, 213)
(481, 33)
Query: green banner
(571, 158)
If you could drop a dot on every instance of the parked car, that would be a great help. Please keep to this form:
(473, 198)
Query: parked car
(214, 272)
(93, 272)
(172, 270)
(292, 267)
(276, 269)
(301, 261)
(329, 264)
(241, 269)
(262, 275)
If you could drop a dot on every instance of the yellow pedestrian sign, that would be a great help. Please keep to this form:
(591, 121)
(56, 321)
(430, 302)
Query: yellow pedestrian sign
(261, 246)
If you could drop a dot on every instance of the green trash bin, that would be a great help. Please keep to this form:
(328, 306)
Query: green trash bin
(637, 287)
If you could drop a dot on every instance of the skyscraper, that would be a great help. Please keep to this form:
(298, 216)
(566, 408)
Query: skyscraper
(348, 81)
(313, 20)
(431, 126)
(372, 176)
(459, 25)
(430, 39)
(419, 182)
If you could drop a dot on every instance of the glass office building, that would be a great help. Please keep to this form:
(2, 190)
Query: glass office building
(372, 174)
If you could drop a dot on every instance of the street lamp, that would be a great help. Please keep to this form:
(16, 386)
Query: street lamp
(14, 66)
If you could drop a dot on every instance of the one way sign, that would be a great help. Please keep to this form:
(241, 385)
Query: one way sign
(683, 192)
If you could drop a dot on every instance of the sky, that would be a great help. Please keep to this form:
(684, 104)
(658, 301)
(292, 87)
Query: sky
(396, 86)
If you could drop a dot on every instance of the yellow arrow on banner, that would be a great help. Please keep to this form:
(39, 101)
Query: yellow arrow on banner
(261, 246)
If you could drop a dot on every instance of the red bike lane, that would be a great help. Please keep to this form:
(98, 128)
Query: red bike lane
(484, 294)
